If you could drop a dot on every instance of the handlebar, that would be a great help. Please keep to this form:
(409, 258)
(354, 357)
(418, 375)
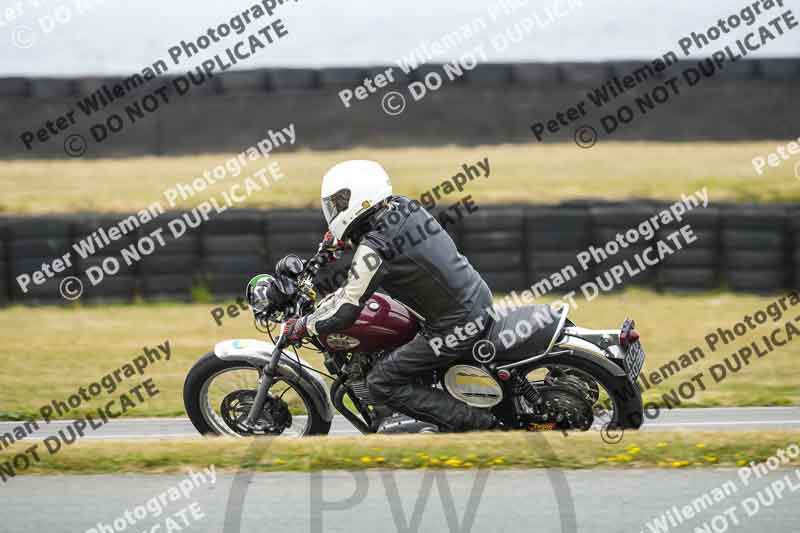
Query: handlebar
(294, 287)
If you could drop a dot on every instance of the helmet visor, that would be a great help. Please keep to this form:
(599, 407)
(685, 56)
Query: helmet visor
(335, 204)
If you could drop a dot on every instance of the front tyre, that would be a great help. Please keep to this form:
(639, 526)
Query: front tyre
(217, 394)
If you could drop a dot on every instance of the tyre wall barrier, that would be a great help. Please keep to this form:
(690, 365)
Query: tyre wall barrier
(490, 104)
(748, 248)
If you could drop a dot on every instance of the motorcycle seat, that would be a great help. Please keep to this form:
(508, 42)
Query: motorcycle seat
(523, 332)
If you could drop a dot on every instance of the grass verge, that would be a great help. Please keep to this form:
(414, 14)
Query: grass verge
(545, 173)
(464, 451)
(52, 351)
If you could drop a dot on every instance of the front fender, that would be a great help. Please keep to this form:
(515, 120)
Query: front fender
(259, 353)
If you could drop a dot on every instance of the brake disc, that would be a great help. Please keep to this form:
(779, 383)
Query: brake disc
(274, 418)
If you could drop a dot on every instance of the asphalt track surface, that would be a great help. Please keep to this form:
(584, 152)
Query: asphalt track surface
(408, 501)
(710, 419)
(464, 501)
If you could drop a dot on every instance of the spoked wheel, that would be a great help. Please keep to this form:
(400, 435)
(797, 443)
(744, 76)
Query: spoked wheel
(218, 395)
(586, 400)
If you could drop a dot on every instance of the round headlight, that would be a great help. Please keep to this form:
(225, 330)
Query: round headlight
(261, 294)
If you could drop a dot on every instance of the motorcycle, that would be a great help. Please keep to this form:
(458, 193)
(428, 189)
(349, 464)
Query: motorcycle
(558, 377)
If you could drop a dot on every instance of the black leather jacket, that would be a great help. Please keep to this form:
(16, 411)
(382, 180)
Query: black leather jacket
(404, 250)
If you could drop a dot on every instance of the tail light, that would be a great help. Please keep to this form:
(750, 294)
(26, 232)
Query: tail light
(628, 334)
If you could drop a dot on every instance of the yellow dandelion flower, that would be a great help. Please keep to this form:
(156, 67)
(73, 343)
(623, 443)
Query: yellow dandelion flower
(453, 462)
(712, 458)
(680, 464)
(278, 462)
(379, 459)
(741, 462)
(468, 465)
(634, 449)
(366, 459)
(434, 461)
(700, 445)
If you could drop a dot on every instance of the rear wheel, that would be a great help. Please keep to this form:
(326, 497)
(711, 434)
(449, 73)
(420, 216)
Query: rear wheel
(218, 394)
(614, 401)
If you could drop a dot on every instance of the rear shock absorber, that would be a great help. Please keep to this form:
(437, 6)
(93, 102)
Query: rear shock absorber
(524, 388)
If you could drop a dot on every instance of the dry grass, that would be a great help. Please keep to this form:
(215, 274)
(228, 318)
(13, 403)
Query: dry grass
(520, 173)
(51, 351)
(464, 451)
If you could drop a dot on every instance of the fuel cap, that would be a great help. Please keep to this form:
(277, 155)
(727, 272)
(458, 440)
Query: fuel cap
(373, 306)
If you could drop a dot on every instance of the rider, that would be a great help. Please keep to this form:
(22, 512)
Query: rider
(400, 247)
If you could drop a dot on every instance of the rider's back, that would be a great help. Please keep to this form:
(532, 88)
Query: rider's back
(422, 266)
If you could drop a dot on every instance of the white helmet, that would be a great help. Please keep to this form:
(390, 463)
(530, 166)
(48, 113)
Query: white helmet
(351, 189)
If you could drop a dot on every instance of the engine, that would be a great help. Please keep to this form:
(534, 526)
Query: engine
(357, 369)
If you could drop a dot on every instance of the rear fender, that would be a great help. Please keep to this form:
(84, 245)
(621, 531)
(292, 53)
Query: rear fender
(629, 392)
(592, 353)
(606, 339)
(259, 354)
(608, 353)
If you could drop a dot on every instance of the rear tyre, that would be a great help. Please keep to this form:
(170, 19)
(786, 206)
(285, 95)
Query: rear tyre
(616, 402)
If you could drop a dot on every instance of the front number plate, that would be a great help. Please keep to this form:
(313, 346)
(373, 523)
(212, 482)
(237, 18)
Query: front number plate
(634, 360)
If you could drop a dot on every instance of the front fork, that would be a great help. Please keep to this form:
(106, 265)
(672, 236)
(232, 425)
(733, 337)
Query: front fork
(266, 381)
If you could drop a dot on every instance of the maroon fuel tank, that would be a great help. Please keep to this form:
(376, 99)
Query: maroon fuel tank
(383, 324)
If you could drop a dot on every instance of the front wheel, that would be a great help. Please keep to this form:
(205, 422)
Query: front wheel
(218, 394)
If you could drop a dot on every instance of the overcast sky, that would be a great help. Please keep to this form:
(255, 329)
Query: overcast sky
(118, 37)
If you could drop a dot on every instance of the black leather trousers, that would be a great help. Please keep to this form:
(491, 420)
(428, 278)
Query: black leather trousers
(393, 382)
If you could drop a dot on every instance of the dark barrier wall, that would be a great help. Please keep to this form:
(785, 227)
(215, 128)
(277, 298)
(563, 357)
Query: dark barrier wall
(493, 103)
(742, 248)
